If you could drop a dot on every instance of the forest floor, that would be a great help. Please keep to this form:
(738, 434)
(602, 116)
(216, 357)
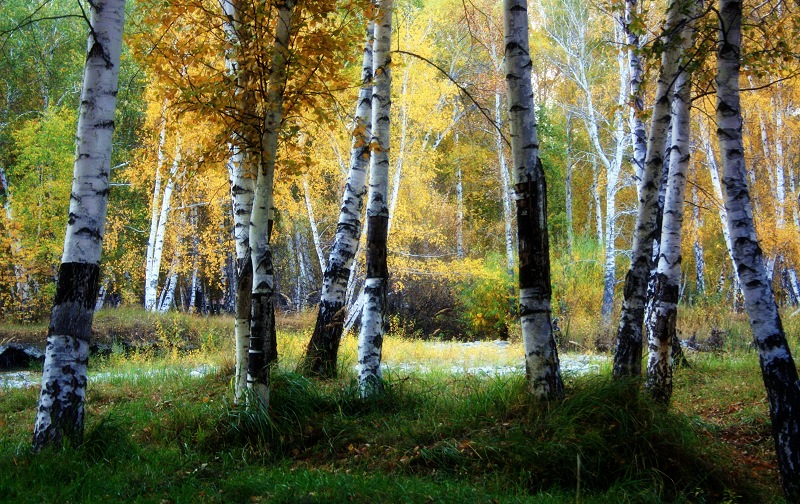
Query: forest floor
(449, 428)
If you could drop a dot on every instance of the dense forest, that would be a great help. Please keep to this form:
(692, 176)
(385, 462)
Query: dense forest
(457, 170)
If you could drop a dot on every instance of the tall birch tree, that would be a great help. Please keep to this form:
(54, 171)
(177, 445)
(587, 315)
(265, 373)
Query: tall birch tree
(262, 351)
(661, 327)
(60, 413)
(323, 348)
(373, 318)
(777, 365)
(628, 354)
(541, 356)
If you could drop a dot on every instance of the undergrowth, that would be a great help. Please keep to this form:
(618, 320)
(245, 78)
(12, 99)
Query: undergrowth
(159, 435)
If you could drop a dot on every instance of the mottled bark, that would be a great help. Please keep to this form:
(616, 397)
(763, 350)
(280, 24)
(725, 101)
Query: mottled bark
(323, 348)
(370, 338)
(262, 351)
(661, 326)
(60, 412)
(777, 366)
(628, 354)
(541, 356)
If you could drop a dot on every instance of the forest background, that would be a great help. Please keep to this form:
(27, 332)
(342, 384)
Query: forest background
(451, 245)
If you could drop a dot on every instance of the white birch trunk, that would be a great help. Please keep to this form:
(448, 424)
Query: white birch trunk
(338, 279)
(149, 292)
(60, 413)
(262, 351)
(541, 356)
(568, 188)
(777, 366)
(312, 221)
(505, 187)
(628, 354)
(661, 326)
(699, 255)
(370, 338)
(151, 283)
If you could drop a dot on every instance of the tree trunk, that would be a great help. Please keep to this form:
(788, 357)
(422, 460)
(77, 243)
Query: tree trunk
(638, 134)
(312, 221)
(568, 188)
(661, 326)
(155, 253)
(150, 290)
(262, 351)
(628, 354)
(777, 366)
(60, 413)
(505, 189)
(370, 338)
(541, 356)
(323, 348)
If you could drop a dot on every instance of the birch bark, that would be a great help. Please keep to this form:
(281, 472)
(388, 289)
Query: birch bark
(262, 351)
(60, 413)
(777, 366)
(323, 348)
(628, 354)
(661, 327)
(541, 356)
(370, 338)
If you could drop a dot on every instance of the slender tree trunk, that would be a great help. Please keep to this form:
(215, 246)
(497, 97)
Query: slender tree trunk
(568, 188)
(505, 188)
(541, 356)
(323, 348)
(628, 355)
(777, 366)
(661, 326)
(370, 338)
(699, 254)
(262, 351)
(60, 413)
(150, 290)
(638, 134)
(312, 221)
(151, 283)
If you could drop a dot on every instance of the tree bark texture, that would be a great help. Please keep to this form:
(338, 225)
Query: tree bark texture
(541, 356)
(777, 366)
(60, 413)
(323, 348)
(628, 354)
(262, 351)
(661, 326)
(373, 318)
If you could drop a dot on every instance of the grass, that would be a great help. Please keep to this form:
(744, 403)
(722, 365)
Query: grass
(157, 435)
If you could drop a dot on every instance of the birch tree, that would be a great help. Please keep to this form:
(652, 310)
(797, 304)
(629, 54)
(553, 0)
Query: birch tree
(262, 349)
(628, 354)
(370, 338)
(323, 348)
(60, 413)
(777, 366)
(661, 327)
(541, 356)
